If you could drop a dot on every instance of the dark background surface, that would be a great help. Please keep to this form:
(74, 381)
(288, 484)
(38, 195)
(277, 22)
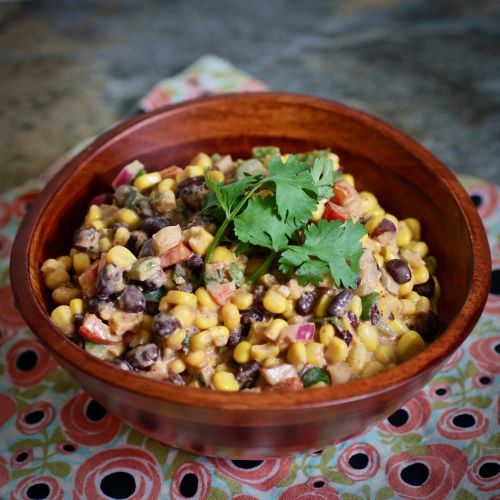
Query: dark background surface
(71, 68)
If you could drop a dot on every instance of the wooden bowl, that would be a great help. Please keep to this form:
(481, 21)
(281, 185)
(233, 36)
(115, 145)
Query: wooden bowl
(405, 177)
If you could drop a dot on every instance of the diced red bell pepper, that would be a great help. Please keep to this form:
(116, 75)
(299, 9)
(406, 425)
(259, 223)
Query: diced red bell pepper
(170, 172)
(343, 193)
(95, 330)
(221, 292)
(335, 212)
(176, 254)
(88, 279)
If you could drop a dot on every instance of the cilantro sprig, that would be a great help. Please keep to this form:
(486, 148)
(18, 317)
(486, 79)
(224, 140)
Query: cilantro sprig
(272, 212)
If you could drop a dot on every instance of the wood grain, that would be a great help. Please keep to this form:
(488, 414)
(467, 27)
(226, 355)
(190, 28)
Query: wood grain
(405, 177)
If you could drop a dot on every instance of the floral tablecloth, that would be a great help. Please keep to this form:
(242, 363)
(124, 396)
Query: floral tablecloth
(56, 442)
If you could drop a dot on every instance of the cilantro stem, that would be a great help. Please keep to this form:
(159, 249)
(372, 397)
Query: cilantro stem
(262, 268)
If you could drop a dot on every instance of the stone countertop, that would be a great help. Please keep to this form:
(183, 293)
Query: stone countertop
(69, 68)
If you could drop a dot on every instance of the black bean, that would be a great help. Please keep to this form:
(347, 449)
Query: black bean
(124, 194)
(132, 299)
(164, 325)
(124, 365)
(427, 289)
(399, 270)
(78, 321)
(427, 325)
(186, 287)
(136, 241)
(147, 249)
(144, 207)
(152, 225)
(252, 315)
(305, 305)
(86, 238)
(117, 225)
(353, 319)
(109, 281)
(346, 336)
(374, 314)
(77, 340)
(156, 281)
(176, 379)
(195, 263)
(192, 192)
(143, 356)
(198, 220)
(237, 335)
(258, 293)
(247, 374)
(152, 307)
(385, 226)
(339, 304)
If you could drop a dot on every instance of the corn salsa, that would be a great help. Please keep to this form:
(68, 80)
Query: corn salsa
(269, 273)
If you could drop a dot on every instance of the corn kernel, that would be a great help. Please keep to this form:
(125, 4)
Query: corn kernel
(64, 294)
(98, 225)
(94, 213)
(390, 252)
(368, 201)
(121, 257)
(51, 265)
(194, 171)
(289, 310)
(166, 185)
(326, 334)
(181, 298)
(205, 319)
(409, 345)
(62, 317)
(356, 306)
(177, 366)
(335, 160)
(121, 236)
(268, 362)
(140, 338)
(274, 302)
(184, 315)
(420, 247)
(81, 261)
(230, 316)
(380, 260)
(222, 254)
(423, 305)
(147, 181)
(322, 306)
(297, 354)
(242, 300)
(398, 326)
(176, 339)
(373, 223)
(318, 213)
(128, 217)
(147, 322)
(259, 352)
(372, 368)
(368, 335)
(199, 240)
(340, 373)
(408, 307)
(164, 305)
(349, 179)
(242, 352)
(420, 275)
(225, 381)
(406, 288)
(66, 262)
(205, 299)
(56, 278)
(357, 358)
(377, 211)
(200, 341)
(403, 236)
(196, 359)
(431, 264)
(104, 245)
(414, 226)
(76, 306)
(201, 160)
(413, 296)
(385, 354)
(337, 350)
(219, 335)
(315, 353)
(216, 175)
(388, 304)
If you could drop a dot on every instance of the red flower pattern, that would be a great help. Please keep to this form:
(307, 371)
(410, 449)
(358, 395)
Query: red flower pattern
(202, 475)
(485, 353)
(5, 244)
(368, 454)
(445, 466)
(81, 429)
(18, 460)
(21, 490)
(35, 418)
(139, 464)
(265, 475)
(7, 408)
(10, 317)
(462, 423)
(316, 488)
(37, 366)
(493, 303)
(418, 409)
(22, 203)
(453, 360)
(489, 198)
(481, 473)
(4, 472)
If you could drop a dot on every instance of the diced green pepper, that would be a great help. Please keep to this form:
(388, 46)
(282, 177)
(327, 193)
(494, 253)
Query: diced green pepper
(314, 375)
(155, 295)
(367, 302)
(309, 157)
(131, 197)
(138, 174)
(236, 274)
(263, 153)
(105, 352)
(145, 268)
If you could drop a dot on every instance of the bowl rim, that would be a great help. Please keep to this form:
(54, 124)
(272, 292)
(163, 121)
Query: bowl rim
(432, 357)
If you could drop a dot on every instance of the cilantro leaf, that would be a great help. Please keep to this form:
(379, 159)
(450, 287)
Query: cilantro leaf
(263, 153)
(329, 248)
(324, 177)
(260, 225)
(296, 193)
